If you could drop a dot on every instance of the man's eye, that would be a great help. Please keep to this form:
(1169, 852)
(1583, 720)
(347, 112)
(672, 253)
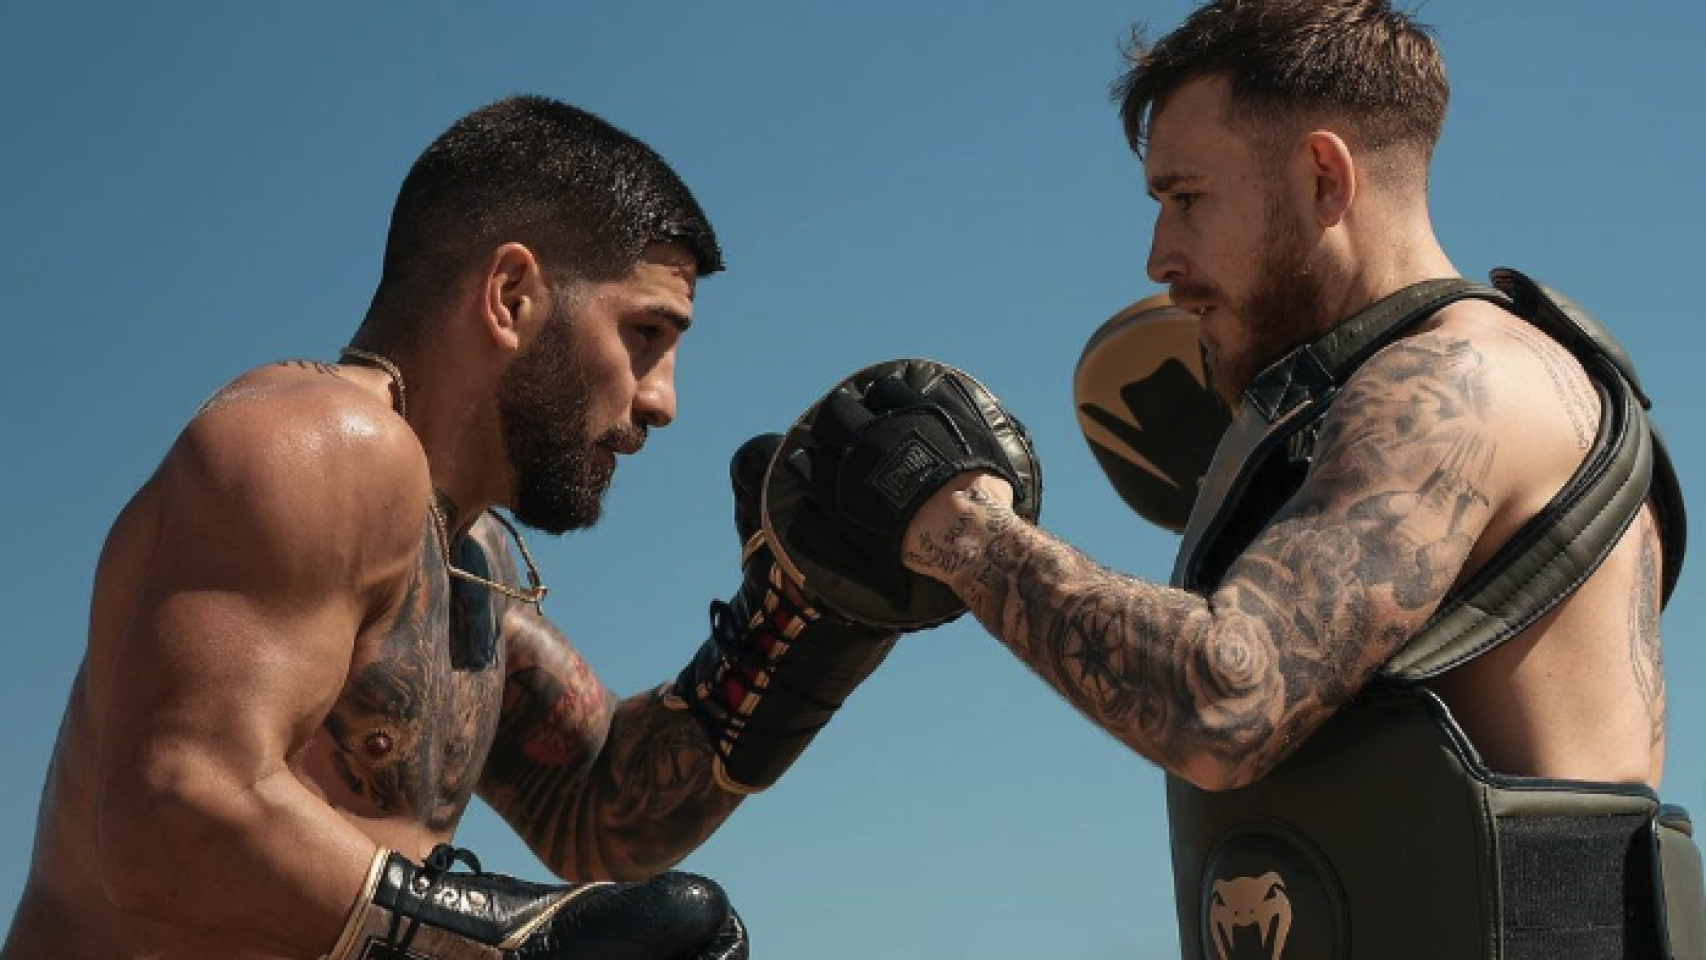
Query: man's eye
(1185, 201)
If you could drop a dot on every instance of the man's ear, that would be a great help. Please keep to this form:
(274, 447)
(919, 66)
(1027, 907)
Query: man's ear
(1332, 171)
(514, 296)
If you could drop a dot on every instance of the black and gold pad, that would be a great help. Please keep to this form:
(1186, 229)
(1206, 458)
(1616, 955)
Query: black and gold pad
(1145, 408)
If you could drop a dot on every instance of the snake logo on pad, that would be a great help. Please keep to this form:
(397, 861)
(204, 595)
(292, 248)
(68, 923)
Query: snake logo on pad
(905, 469)
(1267, 894)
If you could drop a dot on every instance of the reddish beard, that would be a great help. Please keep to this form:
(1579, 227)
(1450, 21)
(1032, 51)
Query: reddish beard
(1284, 308)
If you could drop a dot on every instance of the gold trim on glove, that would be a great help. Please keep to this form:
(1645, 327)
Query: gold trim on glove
(357, 920)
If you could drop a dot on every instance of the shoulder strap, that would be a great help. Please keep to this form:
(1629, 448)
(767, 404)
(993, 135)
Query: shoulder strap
(1291, 394)
(1561, 546)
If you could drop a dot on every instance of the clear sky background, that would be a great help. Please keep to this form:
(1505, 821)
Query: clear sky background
(188, 190)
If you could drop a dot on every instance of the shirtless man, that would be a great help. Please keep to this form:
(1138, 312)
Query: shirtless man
(1287, 143)
(310, 644)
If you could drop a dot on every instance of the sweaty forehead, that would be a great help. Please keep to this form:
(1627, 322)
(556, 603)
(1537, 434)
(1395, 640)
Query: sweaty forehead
(667, 259)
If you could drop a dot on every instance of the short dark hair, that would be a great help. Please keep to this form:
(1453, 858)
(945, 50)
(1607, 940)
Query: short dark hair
(1290, 61)
(584, 196)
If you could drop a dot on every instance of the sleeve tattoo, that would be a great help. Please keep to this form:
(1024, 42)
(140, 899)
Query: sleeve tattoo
(598, 789)
(1220, 688)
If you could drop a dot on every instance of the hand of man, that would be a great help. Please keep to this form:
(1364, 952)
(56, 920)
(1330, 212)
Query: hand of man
(858, 466)
(428, 912)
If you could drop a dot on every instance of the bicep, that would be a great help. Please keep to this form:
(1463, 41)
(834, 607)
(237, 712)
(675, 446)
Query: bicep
(241, 630)
(236, 641)
(1398, 494)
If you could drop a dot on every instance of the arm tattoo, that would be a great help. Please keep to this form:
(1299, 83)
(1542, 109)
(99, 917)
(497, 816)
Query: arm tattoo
(317, 366)
(598, 789)
(629, 803)
(1569, 384)
(1644, 650)
(1350, 568)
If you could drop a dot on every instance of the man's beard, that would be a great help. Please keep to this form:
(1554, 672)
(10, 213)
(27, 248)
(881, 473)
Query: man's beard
(544, 402)
(1283, 309)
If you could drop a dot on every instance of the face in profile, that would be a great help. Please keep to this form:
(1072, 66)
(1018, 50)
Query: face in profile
(562, 468)
(598, 374)
(1232, 242)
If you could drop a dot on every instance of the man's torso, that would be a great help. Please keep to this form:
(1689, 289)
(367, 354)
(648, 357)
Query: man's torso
(399, 754)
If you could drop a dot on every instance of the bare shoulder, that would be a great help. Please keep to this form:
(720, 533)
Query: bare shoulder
(1541, 406)
(301, 463)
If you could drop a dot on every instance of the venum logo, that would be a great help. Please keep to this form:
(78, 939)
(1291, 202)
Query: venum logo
(1243, 903)
(903, 471)
(1266, 893)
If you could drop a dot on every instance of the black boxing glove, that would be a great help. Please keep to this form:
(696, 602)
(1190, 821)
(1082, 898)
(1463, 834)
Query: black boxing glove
(427, 912)
(776, 667)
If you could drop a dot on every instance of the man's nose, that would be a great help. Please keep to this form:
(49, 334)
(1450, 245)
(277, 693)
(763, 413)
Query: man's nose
(1166, 264)
(654, 398)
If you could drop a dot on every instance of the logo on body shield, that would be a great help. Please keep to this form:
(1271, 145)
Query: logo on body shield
(904, 470)
(1268, 894)
(1258, 902)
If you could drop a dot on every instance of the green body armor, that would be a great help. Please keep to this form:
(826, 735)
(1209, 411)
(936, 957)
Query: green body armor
(1384, 837)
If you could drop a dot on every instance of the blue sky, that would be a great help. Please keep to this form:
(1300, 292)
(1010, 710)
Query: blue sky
(189, 190)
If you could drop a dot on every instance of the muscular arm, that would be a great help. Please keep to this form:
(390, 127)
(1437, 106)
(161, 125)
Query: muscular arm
(599, 789)
(1218, 689)
(236, 646)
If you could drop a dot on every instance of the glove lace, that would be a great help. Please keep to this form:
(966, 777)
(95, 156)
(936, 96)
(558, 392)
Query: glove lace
(750, 657)
(439, 862)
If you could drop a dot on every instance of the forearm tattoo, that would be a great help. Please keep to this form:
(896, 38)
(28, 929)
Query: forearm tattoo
(1229, 683)
(599, 789)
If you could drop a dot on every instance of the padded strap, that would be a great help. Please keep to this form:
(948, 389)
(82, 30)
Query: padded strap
(1550, 556)
(1556, 551)
(1291, 394)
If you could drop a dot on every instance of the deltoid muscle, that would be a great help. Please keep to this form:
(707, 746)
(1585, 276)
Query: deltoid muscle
(1259, 902)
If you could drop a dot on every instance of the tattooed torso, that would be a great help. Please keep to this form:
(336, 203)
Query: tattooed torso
(410, 732)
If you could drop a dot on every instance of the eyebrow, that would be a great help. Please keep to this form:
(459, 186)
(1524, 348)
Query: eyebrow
(675, 318)
(1167, 182)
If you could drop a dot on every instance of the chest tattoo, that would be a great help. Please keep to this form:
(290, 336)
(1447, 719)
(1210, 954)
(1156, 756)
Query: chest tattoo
(416, 718)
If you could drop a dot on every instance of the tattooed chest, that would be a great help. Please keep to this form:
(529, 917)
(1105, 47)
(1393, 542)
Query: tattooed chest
(411, 731)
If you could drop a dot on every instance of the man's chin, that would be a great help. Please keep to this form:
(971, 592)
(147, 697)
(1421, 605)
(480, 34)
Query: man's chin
(556, 525)
(560, 516)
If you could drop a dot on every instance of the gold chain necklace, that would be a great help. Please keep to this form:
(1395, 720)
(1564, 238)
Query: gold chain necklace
(535, 592)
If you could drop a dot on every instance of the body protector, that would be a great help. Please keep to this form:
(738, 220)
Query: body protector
(1384, 835)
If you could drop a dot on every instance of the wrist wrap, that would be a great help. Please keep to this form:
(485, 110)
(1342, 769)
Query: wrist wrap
(772, 674)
